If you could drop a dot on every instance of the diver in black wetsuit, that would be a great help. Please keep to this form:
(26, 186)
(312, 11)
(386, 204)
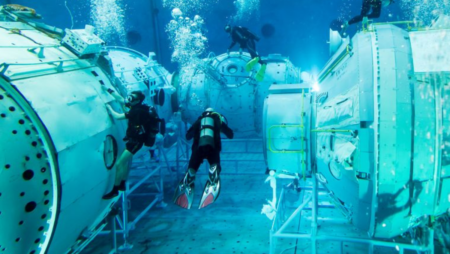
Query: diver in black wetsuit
(246, 40)
(244, 37)
(207, 145)
(370, 9)
(143, 125)
(367, 5)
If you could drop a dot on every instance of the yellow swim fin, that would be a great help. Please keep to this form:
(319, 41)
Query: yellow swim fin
(261, 73)
(251, 63)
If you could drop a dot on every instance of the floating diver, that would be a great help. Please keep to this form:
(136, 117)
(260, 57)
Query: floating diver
(143, 125)
(246, 39)
(207, 145)
(367, 6)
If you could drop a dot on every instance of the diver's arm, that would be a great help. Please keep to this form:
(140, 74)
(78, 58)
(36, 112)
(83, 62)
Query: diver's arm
(190, 133)
(114, 114)
(227, 131)
(232, 45)
(116, 96)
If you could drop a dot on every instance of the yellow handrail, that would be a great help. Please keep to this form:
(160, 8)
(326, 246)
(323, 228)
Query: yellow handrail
(330, 130)
(283, 126)
(303, 136)
(365, 26)
(339, 60)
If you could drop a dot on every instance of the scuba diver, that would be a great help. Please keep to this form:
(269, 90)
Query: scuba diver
(207, 145)
(143, 125)
(367, 6)
(246, 39)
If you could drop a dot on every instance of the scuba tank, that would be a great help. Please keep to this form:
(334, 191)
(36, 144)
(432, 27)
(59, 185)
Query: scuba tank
(207, 129)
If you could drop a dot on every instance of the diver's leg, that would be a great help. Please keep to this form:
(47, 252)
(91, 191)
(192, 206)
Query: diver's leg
(255, 58)
(125, 162)
(376, 10)
(120, 171)
(251, 47)
(184, 193)
(364, 11)
(262, 71)
(214, 159)
(194, 163)
(122, 166)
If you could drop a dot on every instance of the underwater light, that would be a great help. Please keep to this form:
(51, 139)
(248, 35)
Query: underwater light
(315, 87)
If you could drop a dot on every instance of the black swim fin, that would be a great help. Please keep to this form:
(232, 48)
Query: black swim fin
(340, 27)
(336, 25)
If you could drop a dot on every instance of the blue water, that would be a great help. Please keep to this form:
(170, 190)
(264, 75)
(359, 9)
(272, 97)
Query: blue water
(300, 27)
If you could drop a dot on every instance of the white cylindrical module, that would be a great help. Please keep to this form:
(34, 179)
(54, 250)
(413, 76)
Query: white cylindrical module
(136, 71)
(223, 83)
(382, 129)
(58, 145)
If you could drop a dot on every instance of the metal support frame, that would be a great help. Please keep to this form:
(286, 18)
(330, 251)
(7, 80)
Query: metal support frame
(122, 219)
(278, 228)
(182, 148)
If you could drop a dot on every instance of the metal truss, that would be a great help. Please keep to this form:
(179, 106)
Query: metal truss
(310, 202)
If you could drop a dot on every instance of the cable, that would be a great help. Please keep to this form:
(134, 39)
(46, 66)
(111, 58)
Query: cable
(70, 13)
(19, 32)
(287, 249)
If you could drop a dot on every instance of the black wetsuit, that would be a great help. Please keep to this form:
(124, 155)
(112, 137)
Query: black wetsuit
(245, 38)
(207, 149)
(375, 5)
(143, 125)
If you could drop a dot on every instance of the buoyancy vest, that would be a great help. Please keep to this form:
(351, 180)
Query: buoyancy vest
(143, 124)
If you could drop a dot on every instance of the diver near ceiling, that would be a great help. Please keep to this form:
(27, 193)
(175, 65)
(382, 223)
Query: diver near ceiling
(246, 39)
(143, 125)
(370, 9)
(207, 145)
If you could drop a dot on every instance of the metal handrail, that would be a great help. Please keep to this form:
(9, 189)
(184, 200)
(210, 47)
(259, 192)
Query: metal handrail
(345, 53)
(5, 66)
(33, 46)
